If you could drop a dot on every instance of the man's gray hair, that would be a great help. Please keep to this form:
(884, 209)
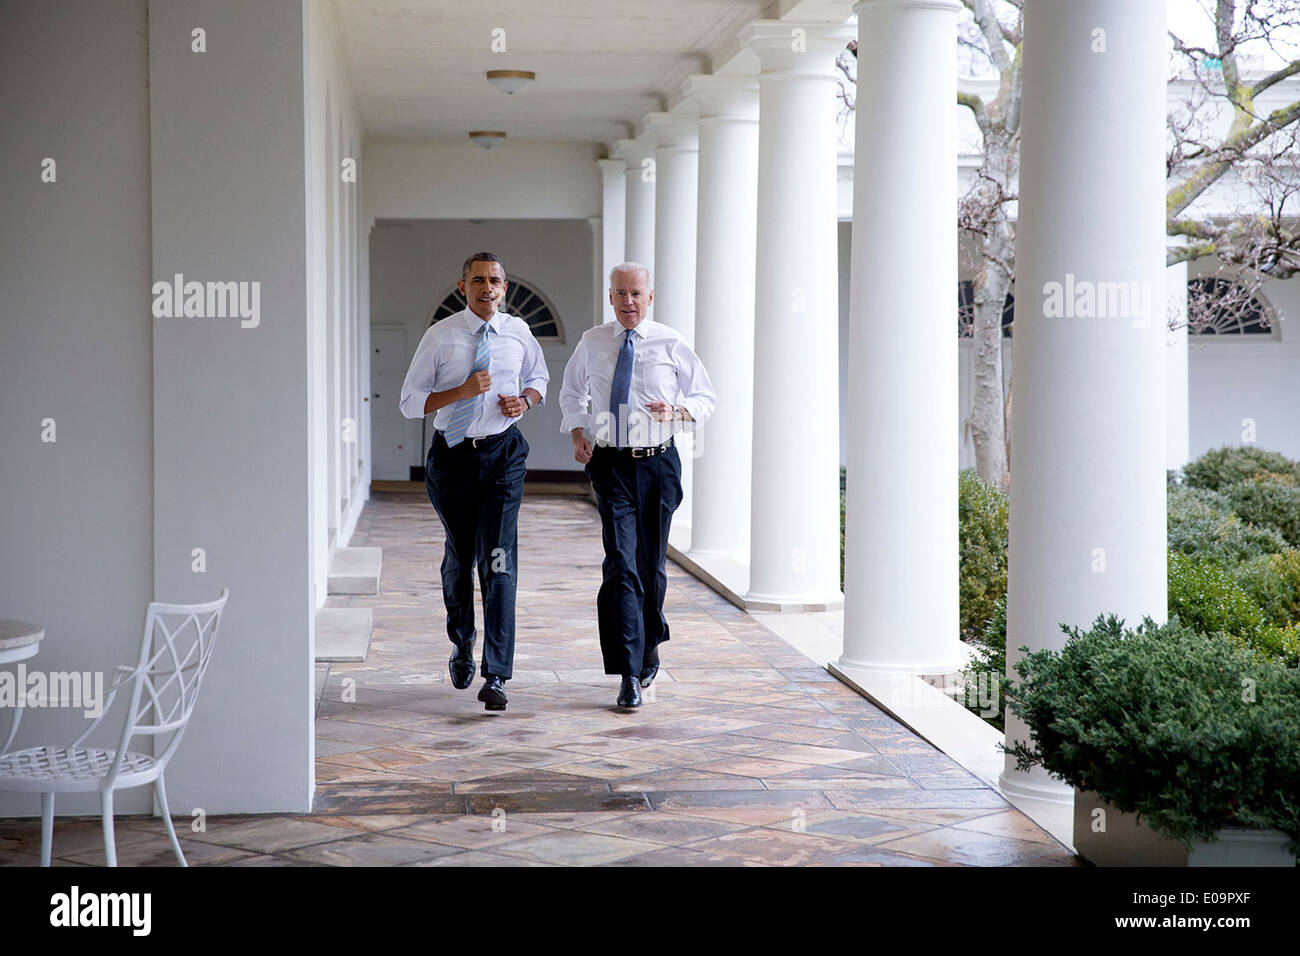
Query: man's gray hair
(629, 267)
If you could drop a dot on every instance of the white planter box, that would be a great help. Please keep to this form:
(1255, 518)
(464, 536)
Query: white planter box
(1126, 842)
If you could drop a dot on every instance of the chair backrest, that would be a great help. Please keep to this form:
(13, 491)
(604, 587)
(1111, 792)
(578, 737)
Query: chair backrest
(174, 654)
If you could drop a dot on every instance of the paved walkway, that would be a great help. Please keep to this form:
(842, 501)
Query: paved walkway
(744, 753)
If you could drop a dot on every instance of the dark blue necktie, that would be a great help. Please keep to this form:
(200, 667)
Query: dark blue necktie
(622, 385)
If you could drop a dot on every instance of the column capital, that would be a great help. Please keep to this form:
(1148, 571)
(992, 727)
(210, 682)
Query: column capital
(733, 96)
(612, 167)
(632, 151)
(671, 130)
(797, 47)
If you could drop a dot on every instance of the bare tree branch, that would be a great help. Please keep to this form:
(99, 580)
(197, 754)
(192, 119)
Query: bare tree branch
(1233, 149)
(991, 27)
(1276, 77)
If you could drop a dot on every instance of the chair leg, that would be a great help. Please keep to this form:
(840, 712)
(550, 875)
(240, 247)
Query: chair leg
(110, 847)
(160, 790)
(47, 827)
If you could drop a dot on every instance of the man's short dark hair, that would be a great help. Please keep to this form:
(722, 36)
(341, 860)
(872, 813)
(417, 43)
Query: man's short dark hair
(481, 257)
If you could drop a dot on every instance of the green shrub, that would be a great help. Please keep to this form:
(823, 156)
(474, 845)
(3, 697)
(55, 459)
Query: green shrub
(1226, 466)
(1190, 732)
(1280, 643)
(1206, 596)
(985, 676)
(1272, 581)
(1252, 610)
(982, 516)
(1269, 501)
(1202, 523)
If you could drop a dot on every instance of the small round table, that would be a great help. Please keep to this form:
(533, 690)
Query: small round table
(18, 641)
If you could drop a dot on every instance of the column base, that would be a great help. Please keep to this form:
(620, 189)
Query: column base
(1017, 784)
(922, 668)
(792, 603)
(716, 554)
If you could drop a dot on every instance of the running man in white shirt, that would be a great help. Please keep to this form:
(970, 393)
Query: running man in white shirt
(640, 378)
(480, 370)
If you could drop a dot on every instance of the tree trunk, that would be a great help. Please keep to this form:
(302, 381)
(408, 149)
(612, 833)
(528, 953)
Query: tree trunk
(986, 213)
(988, 412)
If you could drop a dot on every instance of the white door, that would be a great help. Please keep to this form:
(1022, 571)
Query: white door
(390, 431)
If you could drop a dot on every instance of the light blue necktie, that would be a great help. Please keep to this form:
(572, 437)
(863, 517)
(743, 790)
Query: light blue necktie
(622, 385)
(462, 413)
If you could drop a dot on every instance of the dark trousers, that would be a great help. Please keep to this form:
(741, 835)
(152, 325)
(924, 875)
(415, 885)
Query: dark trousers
(636, 498)
(477, 493)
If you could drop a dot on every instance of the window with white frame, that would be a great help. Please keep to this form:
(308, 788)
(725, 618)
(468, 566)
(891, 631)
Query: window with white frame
(1225, 307)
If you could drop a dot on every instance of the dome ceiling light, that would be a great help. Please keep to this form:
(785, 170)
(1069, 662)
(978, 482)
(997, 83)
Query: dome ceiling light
(511, 81)
(487, 138)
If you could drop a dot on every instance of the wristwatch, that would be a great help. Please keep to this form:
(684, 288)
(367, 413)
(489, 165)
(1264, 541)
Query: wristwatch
(527, 401)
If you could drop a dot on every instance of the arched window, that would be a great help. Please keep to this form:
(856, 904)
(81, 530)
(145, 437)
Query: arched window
(1218, 306)
(522, 299)
(966, 310)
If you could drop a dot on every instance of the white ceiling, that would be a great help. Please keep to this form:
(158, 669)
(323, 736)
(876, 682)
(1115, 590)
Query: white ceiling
(418, 66)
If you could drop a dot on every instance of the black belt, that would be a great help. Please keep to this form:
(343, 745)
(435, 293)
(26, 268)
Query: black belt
(487, 441)
(641, 452)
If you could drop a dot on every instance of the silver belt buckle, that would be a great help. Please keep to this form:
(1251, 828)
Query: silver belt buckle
(635, 455)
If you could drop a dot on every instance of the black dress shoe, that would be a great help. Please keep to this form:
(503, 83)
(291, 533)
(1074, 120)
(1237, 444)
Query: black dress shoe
(650, 668)
(493, 694)
(629, 694)
(461, 666)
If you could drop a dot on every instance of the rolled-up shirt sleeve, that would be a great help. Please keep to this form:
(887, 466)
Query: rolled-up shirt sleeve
(574, 392)
(534, 373)
(695, 389)
(418, 385)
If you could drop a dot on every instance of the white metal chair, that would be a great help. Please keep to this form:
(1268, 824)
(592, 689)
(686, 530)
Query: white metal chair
(164, 686)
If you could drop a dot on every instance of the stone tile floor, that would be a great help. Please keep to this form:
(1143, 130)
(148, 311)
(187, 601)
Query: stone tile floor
(744, 753)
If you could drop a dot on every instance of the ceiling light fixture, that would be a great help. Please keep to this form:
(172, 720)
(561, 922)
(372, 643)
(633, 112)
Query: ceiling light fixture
(487, 138)
(511, 81)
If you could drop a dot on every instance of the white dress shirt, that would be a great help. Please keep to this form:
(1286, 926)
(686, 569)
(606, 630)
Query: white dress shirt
(445, 358)
(663, 367)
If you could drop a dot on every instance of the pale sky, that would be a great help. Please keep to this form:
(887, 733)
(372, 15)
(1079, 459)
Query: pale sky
(1190, 21)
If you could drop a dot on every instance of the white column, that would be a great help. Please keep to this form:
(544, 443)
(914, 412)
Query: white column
(1178, 417)
(1088, 429)
(900, 567)
(249, 511)
(724, 308)
(639, 245)
(795, 514)
(676, 182)
(613, 178)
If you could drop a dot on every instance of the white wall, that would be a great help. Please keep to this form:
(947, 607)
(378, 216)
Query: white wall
(459, 180)
(1236, 378)
(174, 433)
(76, 529)
(415, 263)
